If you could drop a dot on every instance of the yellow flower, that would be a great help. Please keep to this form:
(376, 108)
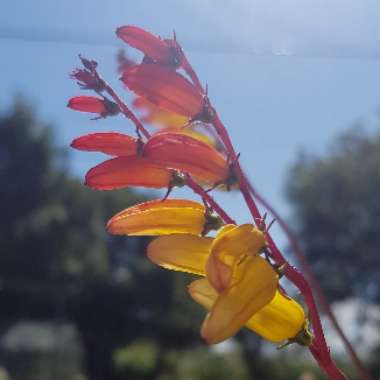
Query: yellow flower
(281, 319)
(240, 288)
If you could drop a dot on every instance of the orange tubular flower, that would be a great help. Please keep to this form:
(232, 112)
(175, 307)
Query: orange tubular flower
(179, 151)
(111, 143)
(152, 46)
(165, 88)
(163, 217)
(123, 172)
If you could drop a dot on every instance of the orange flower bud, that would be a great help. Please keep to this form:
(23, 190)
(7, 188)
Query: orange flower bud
(122, 172)
(165, 88)
(161, 217)
(103, 107)
(112, 143)
(152, 46)
(184, 153)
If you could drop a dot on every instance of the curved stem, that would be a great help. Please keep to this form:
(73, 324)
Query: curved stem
(210, 200)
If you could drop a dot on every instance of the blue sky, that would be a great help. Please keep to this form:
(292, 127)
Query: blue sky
(284, 75)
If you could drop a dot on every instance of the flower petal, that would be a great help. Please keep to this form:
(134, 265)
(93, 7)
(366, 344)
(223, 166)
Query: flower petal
(203, 293)
(184, 153)
(87, 104)
(122, 172)
(165, 88)
(256, 286)
(146, 42)
(182, 252)
(112, 143)
(281, 319)
(227, 249)
(159, 217)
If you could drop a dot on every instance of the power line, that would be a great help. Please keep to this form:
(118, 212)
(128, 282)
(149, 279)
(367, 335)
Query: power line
(101, 39)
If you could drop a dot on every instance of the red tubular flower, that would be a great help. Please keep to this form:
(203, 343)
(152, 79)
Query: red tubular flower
(122, 172)
(103, 107)
(152, 46)
(165, 88)
(184, 153)
(112, 143)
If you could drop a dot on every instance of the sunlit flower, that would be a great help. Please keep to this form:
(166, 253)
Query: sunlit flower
(92, 104)
(240, 288)
(169, 121)
(165, 88)
(123, 172)
(182, 152)
(158, 50)
(112, 143)
(163, 217)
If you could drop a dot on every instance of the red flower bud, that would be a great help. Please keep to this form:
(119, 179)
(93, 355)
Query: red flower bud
(165, 88)
(123, 172)
(112, 143)
(103, 107)
(86, 80)
(157, 50)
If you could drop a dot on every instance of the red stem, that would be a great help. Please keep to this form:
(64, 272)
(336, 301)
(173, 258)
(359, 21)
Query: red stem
(123, 107)
(313, 281)
(210, 200)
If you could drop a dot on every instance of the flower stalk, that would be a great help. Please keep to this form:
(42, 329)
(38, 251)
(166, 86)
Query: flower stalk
(241, 280)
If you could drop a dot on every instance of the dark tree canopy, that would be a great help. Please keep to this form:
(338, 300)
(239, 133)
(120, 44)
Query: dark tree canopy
(336, 200)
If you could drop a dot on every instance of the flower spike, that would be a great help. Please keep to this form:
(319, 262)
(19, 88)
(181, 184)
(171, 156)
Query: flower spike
(111, 143)
(165, 88)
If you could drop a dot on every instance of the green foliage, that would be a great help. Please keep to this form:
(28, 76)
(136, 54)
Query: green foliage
(203, 364)
(336, 199)
(138, 358)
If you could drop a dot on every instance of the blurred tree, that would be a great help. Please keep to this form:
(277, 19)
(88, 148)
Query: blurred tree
(337, 212)
(336, 199)
(58, 263)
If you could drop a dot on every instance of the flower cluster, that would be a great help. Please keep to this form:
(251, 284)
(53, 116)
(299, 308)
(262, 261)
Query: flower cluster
(240, 284)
